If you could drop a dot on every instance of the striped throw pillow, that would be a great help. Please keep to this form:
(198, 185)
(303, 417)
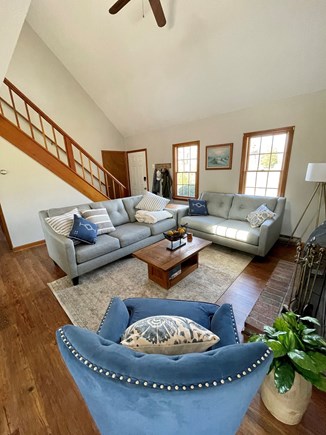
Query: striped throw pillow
(151, 202)
(100, 217)
(62, 224)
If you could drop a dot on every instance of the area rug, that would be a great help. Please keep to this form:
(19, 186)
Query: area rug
(86, 303)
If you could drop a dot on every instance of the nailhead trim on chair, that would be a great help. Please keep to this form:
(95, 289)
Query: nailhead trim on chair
(125, 378)
(234, 325)
(104, 317)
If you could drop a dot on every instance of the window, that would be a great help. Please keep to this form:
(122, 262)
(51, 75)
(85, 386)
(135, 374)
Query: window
(265, 161)
(186, 170)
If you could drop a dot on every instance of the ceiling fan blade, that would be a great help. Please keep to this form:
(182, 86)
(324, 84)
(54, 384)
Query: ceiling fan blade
(118, 6)
(158, 12)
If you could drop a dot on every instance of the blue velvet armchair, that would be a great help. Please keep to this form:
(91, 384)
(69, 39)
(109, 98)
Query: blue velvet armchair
(130, 392)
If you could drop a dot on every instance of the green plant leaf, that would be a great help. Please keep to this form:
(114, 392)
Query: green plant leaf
(319, 360)
(269, 330)
(314, 340)
(307, 331)
(284, 377)
(310, 320)
(257, 337)
(303, 360)
(318, 380)
(291, 319)
(281, 324)
(288, 340)
(277, 348)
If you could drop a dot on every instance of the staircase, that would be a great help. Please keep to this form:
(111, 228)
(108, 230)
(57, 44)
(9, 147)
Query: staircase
(24, 125)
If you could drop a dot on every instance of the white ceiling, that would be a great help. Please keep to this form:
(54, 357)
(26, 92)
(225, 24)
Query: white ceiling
(212, 57)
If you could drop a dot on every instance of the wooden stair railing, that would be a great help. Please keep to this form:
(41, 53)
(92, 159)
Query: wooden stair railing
(27, 117)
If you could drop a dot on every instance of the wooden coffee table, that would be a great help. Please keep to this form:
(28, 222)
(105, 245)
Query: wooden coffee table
(165, 267)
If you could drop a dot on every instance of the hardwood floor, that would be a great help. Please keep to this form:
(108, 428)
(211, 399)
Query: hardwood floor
(37, 394)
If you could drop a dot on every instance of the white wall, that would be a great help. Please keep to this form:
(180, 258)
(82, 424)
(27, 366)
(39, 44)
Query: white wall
(12, 13)
(38, 73)
(307, 113)
(28, 188)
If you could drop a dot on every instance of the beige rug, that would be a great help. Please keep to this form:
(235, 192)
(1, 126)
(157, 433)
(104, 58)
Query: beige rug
(86, 303)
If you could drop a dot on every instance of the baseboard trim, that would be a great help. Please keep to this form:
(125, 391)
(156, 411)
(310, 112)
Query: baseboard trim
(289, 240)
(28, 246)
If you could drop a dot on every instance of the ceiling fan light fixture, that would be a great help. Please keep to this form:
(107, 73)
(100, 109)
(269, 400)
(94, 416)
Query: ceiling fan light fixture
(155, 5)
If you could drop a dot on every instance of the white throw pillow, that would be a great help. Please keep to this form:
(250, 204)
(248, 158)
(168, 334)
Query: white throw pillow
(152, 202)
(62, 224)
(257, 217)
(169, 335)
(100, 217)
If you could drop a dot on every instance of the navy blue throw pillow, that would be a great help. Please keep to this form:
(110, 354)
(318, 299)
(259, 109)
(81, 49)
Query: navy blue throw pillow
(83, 230)
(197, 207)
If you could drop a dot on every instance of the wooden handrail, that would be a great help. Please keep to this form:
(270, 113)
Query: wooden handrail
(68, 142)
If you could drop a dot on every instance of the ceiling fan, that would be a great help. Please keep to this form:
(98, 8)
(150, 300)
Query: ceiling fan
(155, 5)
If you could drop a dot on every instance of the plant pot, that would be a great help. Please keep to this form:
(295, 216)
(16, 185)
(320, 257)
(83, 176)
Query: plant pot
(288, 407)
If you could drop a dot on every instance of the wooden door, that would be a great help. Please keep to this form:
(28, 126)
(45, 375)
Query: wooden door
(138, 176)
(116, 163)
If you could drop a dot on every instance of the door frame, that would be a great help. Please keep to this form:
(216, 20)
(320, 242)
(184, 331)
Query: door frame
(137, 151)
(4, 228)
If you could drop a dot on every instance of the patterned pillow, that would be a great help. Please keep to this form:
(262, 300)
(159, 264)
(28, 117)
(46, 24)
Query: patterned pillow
(100, 217)
(151, 202)
(62, 224)
(83, 231)
(169, 335)
(197, 207)
(257, 217)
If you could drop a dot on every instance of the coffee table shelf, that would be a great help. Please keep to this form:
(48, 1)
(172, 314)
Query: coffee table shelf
(163, 263)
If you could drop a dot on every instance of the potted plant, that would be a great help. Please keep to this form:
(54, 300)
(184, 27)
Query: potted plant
(299, 362)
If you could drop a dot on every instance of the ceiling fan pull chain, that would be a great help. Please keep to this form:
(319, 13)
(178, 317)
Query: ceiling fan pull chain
(142, 2)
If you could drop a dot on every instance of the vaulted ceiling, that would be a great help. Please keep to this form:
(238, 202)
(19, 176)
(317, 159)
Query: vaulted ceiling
(212, 57)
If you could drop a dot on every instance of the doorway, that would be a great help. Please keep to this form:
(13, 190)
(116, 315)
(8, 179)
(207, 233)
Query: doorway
(138, 174)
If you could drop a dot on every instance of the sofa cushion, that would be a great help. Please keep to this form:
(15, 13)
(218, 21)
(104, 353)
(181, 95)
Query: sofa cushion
(238, 230)
(83, 231)
(206, 224)
(260, 215)
(218, 204)
(101, 218)
(160, 227)
(115, 209)
(128, 234)
(197, 207)
(130, 203)
(104, 245)
(168, 335)
(152, 202)
(242, 205)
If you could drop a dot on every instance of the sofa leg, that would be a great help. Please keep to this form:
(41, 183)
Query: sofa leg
(75, 280)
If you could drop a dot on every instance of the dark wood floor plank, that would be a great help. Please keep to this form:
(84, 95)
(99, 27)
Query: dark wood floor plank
(37, 394)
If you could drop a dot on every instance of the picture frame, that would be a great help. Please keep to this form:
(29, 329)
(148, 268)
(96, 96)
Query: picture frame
(219, 156)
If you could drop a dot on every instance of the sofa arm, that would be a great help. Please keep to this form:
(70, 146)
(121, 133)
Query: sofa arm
(270, 230)
(179, 212)
(182, 212)
(60, 249)
(173, 212)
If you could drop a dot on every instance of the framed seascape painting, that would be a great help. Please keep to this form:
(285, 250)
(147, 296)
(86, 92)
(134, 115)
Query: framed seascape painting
(219, 156)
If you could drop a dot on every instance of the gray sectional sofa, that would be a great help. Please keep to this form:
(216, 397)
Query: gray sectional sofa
(226, 222)
(128, 237)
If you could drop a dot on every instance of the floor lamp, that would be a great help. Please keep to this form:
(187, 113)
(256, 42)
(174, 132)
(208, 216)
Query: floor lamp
(316, 172)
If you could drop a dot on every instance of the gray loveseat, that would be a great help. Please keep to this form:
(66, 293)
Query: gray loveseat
(128, 237)
(226, 222)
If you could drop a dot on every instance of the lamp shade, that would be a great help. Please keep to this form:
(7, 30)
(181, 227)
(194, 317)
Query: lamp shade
(316, 172)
